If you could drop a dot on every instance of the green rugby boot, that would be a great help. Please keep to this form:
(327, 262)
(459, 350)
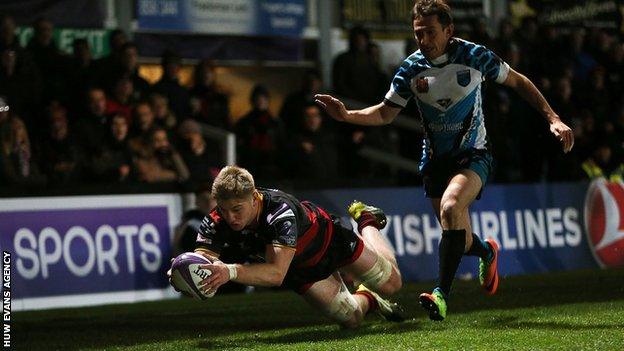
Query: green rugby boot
(435, 304)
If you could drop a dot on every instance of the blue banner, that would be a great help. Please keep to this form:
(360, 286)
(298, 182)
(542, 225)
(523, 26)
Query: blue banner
(229, 17)
(90, 250)
(63, 13)
(539, 227)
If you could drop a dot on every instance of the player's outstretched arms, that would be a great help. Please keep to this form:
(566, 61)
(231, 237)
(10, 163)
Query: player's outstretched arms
(563, 133)
(334, 107)
(529, 92)
(376, 115)
(271, 273)
(221, 274)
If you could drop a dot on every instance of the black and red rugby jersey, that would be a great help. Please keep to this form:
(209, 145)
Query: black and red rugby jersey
(284, 221)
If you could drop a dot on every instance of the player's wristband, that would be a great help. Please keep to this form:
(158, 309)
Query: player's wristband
(232, 270)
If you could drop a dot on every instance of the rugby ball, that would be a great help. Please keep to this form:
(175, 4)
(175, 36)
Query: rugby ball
(186, 274)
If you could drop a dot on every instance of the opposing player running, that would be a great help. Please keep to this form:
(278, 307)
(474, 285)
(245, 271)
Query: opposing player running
(299, 245)
(445, 76)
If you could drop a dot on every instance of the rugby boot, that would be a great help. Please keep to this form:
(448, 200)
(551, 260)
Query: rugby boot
(391, 311)
(366, 215)
(488, 272)
(435, 303)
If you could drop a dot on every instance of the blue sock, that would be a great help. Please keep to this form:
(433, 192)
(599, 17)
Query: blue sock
(480, 249)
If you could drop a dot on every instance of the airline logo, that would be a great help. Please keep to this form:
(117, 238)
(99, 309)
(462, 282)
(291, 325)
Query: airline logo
(604, 222)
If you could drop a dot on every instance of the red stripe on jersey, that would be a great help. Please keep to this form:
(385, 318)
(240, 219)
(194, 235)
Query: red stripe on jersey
(216, 217)
(329, 233)
(303, 241)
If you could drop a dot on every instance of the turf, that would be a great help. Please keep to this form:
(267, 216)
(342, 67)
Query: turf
(560, 311)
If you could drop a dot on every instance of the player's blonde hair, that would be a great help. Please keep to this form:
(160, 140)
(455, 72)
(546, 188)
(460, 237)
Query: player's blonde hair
(233, 182)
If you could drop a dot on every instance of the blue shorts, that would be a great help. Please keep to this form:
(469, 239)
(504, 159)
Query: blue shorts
(438, 172)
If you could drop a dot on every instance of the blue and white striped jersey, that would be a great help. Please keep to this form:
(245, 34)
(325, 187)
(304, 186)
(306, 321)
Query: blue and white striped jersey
(448, 95)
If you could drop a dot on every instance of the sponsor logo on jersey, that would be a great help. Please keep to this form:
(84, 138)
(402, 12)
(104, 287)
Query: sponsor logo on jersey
(604, 222)
(445, 127)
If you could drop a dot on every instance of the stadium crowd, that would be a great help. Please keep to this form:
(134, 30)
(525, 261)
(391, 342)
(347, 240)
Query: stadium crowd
(71, 119)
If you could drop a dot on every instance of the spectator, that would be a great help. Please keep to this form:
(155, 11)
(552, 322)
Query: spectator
(17, 161)
(354, 74)
(107, 66)
(562, 100)
(505, 36)
(600, 44)
(129, 67)
(203, 160)
(92, 125)
(382, 80)
(527, 38)
(480, 34)
(356, 77)
(81, 74)
(63, 159)
(168, 85)
(596, 96)
(587, 131)
(114, 161)
(313, 150)
(163, 163)
(259, 134)
(143, 127)
(21, 84)
(8, 39)
(210, 102)
(583, 61)
(295, 103)
(163, 116)
(548, 44)
(52, 65)
(122, 98)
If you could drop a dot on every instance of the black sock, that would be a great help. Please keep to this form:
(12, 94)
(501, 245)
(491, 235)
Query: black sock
(479, 248)
(451, 251)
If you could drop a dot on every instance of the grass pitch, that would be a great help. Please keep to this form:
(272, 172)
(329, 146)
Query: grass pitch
(563, 311)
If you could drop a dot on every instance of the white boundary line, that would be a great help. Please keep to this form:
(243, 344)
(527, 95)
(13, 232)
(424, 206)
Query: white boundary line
(81, 300)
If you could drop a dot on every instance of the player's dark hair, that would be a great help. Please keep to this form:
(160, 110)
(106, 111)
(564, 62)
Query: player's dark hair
(425, 8)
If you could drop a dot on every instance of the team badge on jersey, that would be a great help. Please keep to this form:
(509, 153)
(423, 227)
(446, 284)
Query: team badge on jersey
(422, 85)
(463, 77)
